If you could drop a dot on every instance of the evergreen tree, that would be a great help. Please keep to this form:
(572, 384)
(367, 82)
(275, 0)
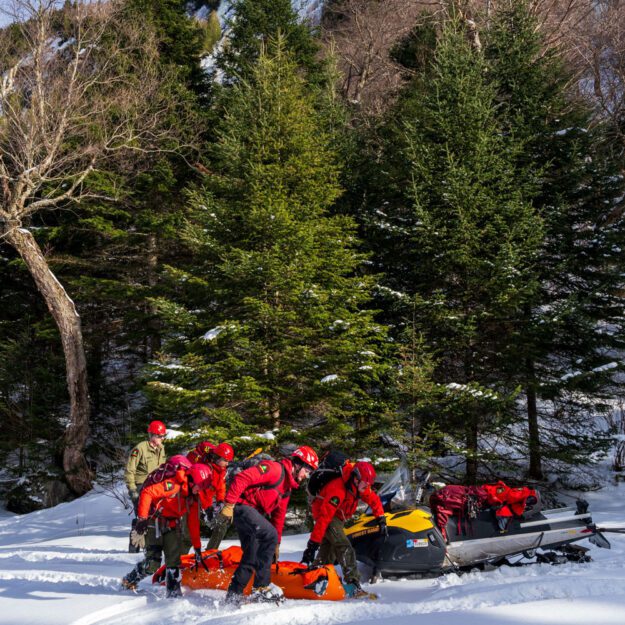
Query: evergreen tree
(459, 236)
(274, 330)
(253, 24)
(572, 328)
(181, 38)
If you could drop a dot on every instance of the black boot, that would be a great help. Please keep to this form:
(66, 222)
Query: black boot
(233, 599)
(131, 581)
(172, 577)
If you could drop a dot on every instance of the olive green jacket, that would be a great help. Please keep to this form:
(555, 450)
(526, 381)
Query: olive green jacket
(143, 460)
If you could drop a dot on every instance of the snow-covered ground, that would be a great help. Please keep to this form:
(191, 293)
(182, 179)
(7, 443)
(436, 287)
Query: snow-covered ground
(63, 565)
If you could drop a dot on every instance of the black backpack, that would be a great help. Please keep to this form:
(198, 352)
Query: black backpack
(330, 467)
(234, 468)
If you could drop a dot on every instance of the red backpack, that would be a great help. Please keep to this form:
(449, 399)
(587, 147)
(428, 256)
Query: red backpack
(167, 470)
(463, 502)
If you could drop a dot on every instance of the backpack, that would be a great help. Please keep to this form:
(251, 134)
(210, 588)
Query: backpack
(234, 468)
(330, 467)
(167, 470)
(462, 502)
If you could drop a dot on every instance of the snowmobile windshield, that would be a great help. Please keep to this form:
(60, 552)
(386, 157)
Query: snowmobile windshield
(397, 493)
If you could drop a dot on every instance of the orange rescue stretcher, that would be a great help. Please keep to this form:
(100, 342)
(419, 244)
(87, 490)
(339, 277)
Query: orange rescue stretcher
(295, 579)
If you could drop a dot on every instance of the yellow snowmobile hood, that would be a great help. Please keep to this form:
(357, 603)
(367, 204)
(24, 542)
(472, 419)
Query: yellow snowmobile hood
(416, 520)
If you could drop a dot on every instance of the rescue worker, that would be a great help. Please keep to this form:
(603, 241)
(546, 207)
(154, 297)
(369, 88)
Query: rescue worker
(144, 458)
(161, 508)
(334, 505)
(264, 489)
(217, 457)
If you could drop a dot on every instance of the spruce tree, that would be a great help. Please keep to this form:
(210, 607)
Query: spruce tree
(459, 237)
(271, 321)
(572, 328)
(253, 24)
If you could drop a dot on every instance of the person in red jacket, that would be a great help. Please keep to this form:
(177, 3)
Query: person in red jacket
(334, 505)
(159, 513)
(257, 501)
(217, 457)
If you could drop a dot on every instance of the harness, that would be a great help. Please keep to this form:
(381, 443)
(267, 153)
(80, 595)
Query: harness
(270, 486)
(277, 483)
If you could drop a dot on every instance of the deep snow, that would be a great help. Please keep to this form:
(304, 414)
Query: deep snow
(63, 565)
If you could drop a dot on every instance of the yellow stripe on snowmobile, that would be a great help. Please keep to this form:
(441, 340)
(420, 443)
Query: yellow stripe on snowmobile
(409, 520)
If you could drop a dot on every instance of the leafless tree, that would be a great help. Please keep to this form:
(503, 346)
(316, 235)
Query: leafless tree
(72, 103)
(362, 33)
(600, 52)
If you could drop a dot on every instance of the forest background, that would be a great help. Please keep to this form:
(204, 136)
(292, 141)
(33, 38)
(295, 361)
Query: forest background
(393, 227)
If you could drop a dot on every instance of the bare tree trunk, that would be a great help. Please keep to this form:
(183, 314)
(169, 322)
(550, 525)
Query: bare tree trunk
(472, 435)
(535, 468)
(62, 308)
(154, 336)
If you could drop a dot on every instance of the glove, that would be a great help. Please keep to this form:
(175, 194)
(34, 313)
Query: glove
(226, 513)
(134, 496)
(209, 515)
(137, 540)
(382, 525)
(308, 557)
(199, 560)
(141, 526)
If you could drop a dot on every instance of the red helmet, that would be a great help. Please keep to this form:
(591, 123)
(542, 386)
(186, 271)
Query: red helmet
(225, 451)
(204, 448)
(365, 472)
(158, 428)
(201, 474)
(307, 456)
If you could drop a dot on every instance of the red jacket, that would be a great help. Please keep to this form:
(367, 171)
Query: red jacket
(170, 500)
(336, 499)
(247, 489)
(508, 500)
(218, 487)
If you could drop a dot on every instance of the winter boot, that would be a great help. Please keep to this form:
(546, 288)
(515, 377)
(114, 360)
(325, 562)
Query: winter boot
(131, 581)
(172, 579)
(233, 599)
(267, 594)
(354, 590)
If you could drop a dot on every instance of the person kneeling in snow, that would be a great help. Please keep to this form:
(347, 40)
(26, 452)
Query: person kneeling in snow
(161, 508)
(336, 503)
(256, 493)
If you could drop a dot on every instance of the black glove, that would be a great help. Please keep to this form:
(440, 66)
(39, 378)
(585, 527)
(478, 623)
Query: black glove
(142, 526)
(382, 525)
(308, 557)
(209, 515)
(134, 496)
(199, 560)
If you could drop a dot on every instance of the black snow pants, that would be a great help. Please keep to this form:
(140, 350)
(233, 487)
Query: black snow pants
(258, 540)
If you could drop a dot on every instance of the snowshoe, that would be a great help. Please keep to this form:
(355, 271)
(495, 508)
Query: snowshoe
(126, 584)
(267, 594)
(131, 581)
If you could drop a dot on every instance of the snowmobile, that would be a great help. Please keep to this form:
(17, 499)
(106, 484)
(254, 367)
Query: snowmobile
(416, 546)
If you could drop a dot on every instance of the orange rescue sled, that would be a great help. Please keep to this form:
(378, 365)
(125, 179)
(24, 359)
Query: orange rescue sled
(295, 579)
